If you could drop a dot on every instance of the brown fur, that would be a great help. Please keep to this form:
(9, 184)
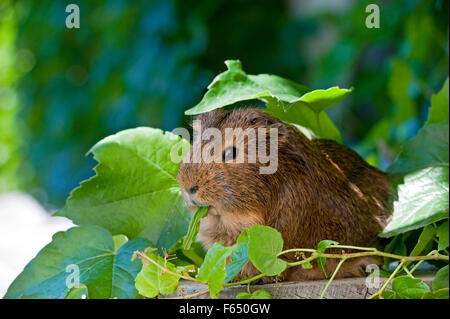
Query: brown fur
(321, 190)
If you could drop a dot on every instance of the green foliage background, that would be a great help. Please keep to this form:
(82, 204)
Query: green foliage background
(146, 62)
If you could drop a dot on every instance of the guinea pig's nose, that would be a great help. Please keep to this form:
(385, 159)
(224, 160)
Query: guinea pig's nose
(193, 189)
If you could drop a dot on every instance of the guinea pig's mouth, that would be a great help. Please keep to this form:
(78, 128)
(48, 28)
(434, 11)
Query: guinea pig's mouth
(194, 204)
(211, 209)
(198, 204)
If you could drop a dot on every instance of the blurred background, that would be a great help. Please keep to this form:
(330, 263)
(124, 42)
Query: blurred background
(134, 63)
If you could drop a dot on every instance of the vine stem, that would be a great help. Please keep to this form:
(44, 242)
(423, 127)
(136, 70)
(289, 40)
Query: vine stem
(322, 295)
(367, 251)
(246, 281)
(296, 250)
(379, 292)
(407, 271)
(434, 255)
(144, 256)
(316, 255)
(415, 266)
(335, 246)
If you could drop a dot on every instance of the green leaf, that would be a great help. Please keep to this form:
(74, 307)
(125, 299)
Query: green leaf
(264, 244)
(235, 85)
(243, 295)
(324, 244)
(438, 294)
(288, 101)
(422, 200)
(87, 251)
(192, 256)
(441, 280)
(396, 246)
(238, 257)
(320, 100)
(321, 247)
(406, 287)
(125, 270)
(196, 253)
(439, 108)
(428, 148)
(308, 265)
(425, 238)
(305, 116)
(213, 269)
(389, 295)
(78, 292)
(119, 240)
(257, 294)
(194, 226)
(135, 192)
(442, 234)
(261, 294)
(152, 280)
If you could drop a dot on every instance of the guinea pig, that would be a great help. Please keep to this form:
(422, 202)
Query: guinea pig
(319, 190)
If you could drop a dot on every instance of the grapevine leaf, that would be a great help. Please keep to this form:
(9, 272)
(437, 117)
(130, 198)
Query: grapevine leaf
(257, 294)
(88, 252)
(235, 85)
(125, 270)
(428, 148)
(425, 238)
(192, 256)
(213, 270)
(78, 292)
(320, 100)
(442, 279)
(264, 245)
(152, 280)
(438, 294)
(321, 247)
(238, 257)
(261, 294)
(406, 287)
(422, 200)
(119, 240)
(442, 234)
(288, 101)
(243, 295)
(194, 226)
(135, 192)
(324, 244)
(300, 114)
(396, 246)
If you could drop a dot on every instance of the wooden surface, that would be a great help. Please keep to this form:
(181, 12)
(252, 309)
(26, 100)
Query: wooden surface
(349, 288)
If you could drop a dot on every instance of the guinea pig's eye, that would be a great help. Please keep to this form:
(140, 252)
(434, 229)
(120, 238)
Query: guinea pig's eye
(230, 153)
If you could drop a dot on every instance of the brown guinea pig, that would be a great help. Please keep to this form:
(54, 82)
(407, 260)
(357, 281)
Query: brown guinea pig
(319, 190)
